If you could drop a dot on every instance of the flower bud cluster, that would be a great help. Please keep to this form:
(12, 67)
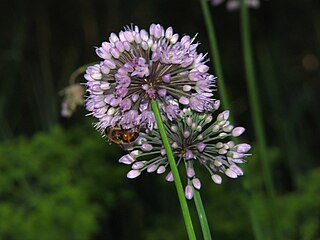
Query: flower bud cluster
(196, 140)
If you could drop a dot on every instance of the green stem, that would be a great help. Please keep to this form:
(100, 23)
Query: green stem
(257, 116)
(254, 99)
(174, 170)
(252, 208)
(255, 223)
(215, 53)
(202, 215)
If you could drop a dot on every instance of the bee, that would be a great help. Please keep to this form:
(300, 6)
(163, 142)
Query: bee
(122, 136)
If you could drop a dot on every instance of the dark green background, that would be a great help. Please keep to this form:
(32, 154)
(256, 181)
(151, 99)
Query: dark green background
(60, 180)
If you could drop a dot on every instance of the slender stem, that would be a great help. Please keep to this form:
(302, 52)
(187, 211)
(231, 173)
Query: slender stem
(215, 53)
(252, 208)
(257, 115)
(254, 99)
(255, 223)
(174, 170)
(202, 215)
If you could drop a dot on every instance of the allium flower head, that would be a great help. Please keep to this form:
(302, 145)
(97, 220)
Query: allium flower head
(197, 140)
(139, 65)
(235, 4)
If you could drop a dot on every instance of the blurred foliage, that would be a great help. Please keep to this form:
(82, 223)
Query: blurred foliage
(300, 214)
(55, 185)
(68, 185)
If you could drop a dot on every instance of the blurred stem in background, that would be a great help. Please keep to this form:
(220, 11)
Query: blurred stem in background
(254, 99)
(256, 111)
(11, 58)
(287, 138)
(174, 170)
(215, 54)
(251, 206)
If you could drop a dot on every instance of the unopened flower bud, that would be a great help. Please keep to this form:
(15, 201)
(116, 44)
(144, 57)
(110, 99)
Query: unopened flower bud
(126, 159)
(237, 131)
(169, 177)
(236, 154)
(183, 100)
(196, 183)
(135, 153)
(226, 114)
(134, 97)
(161, 170)
(166, 78)
(200, 137)
(146, 147)
(228, 128)
(163, 152)
(216, 178)
(174, 128)
(230, 144)
(133, 174)
(189, 121)
(158, 31)
(216, 104)
(242, 148)
(186, 88)
(174, 38)
(111, 111)
(208, 119)
(215, 128)
(220, 117)
(162, 92)
(223, 135)
(189, 155)
(189, 192)
(219, 145)
(186, 134)
(201, 146)
(190, 172)
(230, 173)
(236, 169)
(217, 163)
(169, 33)
(174, 145)
(222, 151)
(152, 168)
(137, 165)
(115, 53)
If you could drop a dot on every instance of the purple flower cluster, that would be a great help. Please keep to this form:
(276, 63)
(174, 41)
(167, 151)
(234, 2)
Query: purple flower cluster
(235, 4)
(139, 65)
(195, 140)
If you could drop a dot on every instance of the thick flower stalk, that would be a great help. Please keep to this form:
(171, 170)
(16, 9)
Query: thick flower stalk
(195, 140)
(235, 4)
(139, 65)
